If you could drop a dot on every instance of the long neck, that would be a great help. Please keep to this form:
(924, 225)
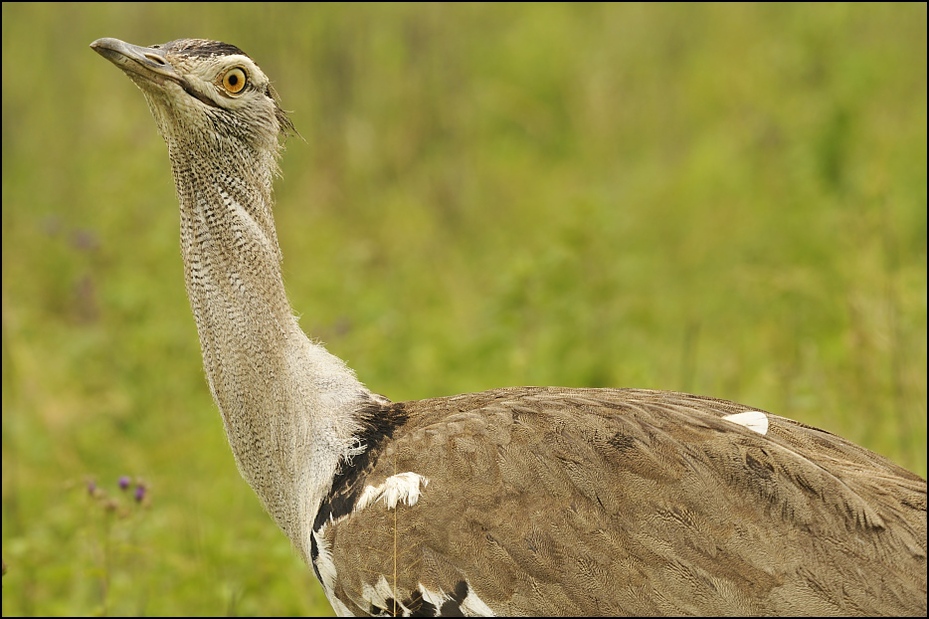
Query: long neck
(287, 403)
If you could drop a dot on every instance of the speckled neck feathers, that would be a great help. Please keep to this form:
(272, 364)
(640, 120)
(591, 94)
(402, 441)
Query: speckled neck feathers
(289, 407)
(267, 378)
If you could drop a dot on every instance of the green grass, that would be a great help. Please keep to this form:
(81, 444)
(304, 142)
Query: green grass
(727, 200)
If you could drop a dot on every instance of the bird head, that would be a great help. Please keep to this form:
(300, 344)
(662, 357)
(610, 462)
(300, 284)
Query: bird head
(197, 86)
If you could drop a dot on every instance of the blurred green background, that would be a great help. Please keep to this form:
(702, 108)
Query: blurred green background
(722, 199)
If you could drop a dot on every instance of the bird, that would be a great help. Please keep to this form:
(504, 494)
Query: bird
(512, 501)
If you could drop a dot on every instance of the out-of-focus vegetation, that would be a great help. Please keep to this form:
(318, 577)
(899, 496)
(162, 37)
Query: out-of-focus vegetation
(723, 199)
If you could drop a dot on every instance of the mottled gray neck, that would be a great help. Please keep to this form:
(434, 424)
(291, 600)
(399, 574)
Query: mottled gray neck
(287, 404)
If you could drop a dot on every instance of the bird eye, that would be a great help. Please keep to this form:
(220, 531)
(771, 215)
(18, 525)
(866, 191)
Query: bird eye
(234, 81)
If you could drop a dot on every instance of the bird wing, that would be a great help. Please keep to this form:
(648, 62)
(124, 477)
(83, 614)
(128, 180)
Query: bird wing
(532, 501)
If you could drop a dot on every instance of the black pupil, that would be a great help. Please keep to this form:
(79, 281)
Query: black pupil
(233, 80)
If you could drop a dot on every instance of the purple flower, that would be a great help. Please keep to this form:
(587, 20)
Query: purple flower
(139, 493)
(124, 482)
(91, 487)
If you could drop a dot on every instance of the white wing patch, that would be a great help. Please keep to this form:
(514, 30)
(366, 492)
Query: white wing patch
(327, 572)
(324, 563)
(401, 487)
(473, 606)
(470, 606)
(382, 595)
(436, 599)
(753, 420)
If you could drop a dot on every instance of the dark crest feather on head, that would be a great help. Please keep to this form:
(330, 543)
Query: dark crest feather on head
(200, 47)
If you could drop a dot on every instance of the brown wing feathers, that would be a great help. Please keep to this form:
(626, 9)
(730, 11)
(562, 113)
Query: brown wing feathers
(631, 502)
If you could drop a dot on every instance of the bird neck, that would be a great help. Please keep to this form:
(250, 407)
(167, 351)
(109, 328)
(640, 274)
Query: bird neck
(287, 404)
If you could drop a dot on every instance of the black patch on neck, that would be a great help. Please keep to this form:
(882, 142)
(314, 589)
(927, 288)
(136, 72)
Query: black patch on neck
(379, 422)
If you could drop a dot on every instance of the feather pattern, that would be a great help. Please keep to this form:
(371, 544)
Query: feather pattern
(601, 501)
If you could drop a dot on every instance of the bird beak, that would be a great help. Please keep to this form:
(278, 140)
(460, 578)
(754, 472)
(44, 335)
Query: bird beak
(148, 63)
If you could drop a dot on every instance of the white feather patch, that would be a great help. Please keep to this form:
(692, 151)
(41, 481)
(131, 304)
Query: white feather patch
(473, 606)
(327, 572)
(341, 610)
(324, 564)
(380, 593)
(401, 487)
(753, 420)
(436, 599)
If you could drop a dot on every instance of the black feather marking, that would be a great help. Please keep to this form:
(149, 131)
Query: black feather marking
(201, 47)
(461, 591)
(762, 469)
(622, 442)
(379, 422)
(452, 608)
(392, 608)
(419, 607)
(314, 553)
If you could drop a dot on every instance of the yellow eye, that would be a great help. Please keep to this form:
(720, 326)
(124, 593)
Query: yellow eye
(234, 81)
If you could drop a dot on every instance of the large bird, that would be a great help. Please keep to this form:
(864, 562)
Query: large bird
(517, 501)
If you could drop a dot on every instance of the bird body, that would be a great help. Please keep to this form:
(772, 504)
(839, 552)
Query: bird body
(610, 501)
(528, 501)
